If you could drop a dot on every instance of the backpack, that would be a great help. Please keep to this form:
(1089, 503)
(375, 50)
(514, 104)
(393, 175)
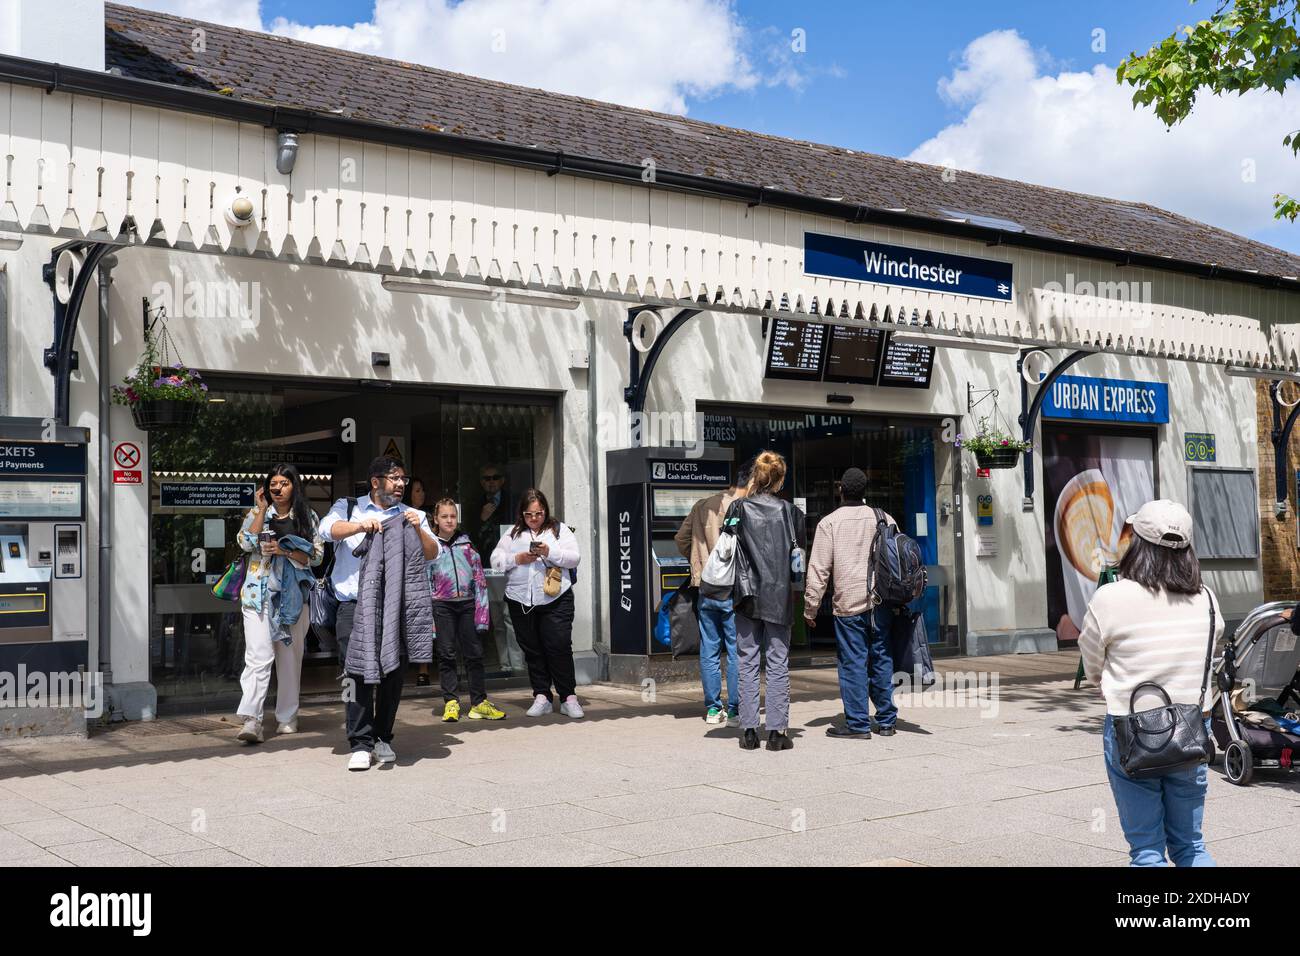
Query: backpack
(897, 567)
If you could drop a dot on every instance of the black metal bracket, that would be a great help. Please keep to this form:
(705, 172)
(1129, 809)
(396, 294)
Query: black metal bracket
(638, 376)
(972, 401)
(1281, 436)
(1030, 410)
(61, 357)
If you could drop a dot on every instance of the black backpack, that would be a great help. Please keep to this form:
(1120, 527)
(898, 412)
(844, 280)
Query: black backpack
(897, 568)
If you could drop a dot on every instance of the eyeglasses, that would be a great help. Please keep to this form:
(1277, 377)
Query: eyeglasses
(397, 479)
(534, 514)
(280, 485)
(490, 477)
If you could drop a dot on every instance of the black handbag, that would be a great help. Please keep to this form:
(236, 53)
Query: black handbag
(684, 622)
(1154, 742)
(323, 602)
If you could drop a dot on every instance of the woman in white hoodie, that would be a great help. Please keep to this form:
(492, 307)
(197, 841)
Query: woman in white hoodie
(539, 557)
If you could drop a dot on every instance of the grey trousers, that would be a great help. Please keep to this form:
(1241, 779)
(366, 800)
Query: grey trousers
(753, 638)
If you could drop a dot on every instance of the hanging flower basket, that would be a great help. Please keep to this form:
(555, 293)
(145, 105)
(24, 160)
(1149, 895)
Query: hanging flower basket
(161, 395)
(155, 413)
(993, 448)
(1002, 458)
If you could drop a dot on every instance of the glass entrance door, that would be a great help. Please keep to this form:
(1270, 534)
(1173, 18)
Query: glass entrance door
(908, 469)
(476, 450)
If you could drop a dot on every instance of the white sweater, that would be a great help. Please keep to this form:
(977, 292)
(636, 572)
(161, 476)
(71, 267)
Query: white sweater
(1131, 635)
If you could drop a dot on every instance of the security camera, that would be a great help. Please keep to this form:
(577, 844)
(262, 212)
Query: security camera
(240, 211)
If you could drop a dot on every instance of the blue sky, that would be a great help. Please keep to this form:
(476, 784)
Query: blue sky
(1008, 87)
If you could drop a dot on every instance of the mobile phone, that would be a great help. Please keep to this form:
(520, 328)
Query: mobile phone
(534, 547)
(266, 536)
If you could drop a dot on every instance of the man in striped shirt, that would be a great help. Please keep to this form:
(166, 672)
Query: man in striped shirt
(841, 552)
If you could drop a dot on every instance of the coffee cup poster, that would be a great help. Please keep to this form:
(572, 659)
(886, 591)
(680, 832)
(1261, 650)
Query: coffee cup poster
(1092, 483)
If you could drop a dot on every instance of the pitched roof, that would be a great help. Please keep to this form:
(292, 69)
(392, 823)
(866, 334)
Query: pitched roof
(276, 70)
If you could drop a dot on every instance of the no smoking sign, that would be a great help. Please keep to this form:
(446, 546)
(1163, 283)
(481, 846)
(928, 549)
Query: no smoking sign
(126, 461)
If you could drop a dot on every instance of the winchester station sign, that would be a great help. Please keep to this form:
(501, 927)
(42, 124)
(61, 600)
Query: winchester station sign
(839, 257)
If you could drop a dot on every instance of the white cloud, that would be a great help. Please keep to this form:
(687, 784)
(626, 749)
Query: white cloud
(1079, 131)
(233, 13)
(655, 54)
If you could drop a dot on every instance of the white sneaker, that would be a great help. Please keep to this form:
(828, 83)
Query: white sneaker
(540, 707)
(360, 760)
(571, 708)
(252, 732)
(288, 727)
(385, 752)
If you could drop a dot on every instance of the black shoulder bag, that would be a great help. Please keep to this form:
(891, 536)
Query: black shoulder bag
(324, 603)
(1154, 742)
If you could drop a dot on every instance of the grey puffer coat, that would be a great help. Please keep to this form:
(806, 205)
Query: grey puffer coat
(394, 606)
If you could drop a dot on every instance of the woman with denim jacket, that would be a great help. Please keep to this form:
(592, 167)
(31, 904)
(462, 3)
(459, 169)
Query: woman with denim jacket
(280, 538)
(460, 614)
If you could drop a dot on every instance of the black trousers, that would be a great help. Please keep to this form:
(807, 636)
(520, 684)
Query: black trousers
(545, 635)
(453, 623)
(370, 709)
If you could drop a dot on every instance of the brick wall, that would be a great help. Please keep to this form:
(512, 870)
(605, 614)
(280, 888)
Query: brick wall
(1280, 558)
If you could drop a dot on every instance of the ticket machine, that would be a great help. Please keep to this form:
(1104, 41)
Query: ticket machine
(650, 491)
(43, 580)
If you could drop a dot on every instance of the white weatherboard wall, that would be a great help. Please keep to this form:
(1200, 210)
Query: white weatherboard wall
(317, 321)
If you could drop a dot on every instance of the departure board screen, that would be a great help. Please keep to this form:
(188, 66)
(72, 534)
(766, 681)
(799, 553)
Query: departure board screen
(796, 350)
(854, 355)
(905, 365)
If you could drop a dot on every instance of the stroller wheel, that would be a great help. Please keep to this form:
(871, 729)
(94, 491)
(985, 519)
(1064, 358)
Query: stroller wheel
(1238, 763)
(1214, 752)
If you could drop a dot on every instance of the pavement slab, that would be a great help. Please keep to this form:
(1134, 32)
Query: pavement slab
(1017, 779)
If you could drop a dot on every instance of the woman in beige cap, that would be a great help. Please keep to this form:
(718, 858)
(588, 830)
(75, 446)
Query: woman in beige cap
(1153, 625)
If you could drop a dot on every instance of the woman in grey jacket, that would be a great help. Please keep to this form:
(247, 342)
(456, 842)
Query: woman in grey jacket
(767, 530)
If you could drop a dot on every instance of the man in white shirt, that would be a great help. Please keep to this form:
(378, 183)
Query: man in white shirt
(371, 709)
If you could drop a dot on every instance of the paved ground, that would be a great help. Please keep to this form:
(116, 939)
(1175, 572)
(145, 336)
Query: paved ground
(635, 783)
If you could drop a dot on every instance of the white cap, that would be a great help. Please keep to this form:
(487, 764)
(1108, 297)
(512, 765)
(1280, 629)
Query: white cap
(1163, 522)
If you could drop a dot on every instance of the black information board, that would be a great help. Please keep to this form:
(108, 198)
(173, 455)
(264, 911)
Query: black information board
(905, 365)
(854, 355)
(796, 350)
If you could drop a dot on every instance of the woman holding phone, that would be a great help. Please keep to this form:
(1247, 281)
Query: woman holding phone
(280, 537)
(538, 557)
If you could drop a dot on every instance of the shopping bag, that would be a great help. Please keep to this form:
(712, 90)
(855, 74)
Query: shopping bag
(913, 665)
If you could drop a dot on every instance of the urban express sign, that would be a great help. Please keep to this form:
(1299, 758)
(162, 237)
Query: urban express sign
(839, 257)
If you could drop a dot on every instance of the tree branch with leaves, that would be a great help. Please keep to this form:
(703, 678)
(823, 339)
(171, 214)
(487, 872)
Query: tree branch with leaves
(1245, 45)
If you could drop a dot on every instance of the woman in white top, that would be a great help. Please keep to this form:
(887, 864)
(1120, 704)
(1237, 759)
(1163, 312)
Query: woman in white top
(1154, 625)
(538, 557)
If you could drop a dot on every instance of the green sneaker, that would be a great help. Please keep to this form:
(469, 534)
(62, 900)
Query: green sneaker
(716, 715)
(486, 711)
(451, 712)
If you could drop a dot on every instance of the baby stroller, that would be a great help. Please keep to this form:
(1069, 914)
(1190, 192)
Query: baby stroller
(1256, 720)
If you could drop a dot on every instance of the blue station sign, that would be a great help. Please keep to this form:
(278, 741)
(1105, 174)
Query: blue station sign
(839, 257)
(1107, 400)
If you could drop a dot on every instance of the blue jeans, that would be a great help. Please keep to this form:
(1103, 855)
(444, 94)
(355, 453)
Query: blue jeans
(866, 668)
(1159, 812)
(717, 626)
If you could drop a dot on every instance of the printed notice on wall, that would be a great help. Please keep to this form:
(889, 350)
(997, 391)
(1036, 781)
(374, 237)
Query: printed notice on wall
(34, 498)
(206, 494)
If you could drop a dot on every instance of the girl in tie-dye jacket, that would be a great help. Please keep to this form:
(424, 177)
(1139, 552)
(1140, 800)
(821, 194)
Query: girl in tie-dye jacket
(460, 615)
(456, 574)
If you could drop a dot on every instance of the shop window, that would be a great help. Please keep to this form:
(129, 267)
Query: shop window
(456, 445)
(1225, 512)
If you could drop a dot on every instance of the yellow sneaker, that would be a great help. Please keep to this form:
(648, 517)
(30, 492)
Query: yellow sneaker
(485, 711)
(451, 712)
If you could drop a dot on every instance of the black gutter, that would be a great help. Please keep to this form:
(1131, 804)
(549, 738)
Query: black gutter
(73, 80)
